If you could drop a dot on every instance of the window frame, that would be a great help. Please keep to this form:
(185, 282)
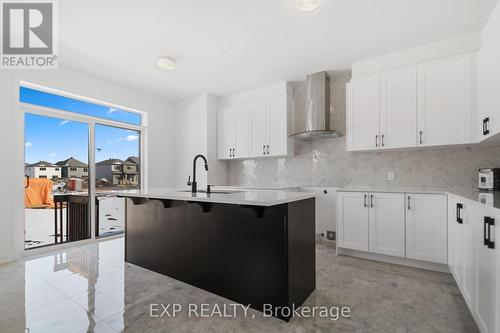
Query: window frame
(92, 121)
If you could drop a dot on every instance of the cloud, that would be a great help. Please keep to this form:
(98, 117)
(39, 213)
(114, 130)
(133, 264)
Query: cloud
(64, 122)
(131, 138)
(112, 110)
(52, 154)
(109, 142)
(28, 144)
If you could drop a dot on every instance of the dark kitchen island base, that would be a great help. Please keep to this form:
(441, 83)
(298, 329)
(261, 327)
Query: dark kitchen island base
(253, 255)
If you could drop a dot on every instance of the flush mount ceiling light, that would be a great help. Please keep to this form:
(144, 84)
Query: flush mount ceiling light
(307, 5)
(165, 63)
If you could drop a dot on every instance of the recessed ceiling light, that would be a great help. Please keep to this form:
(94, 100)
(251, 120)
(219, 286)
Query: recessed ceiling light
(307, 5)
(166, 63)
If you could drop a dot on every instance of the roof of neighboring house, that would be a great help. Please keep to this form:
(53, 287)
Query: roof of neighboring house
(72, 162)
(112, 161)
(43, 164)
(134, 159)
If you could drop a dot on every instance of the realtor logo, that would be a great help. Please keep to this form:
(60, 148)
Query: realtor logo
(28, 35)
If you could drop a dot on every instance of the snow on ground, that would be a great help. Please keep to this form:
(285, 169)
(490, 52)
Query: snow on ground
(39, 223)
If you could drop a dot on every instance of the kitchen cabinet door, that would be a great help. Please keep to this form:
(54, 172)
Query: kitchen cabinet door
(387, 223)
(489, 77)
(461, 216)
(242, 131)
(363, 104)
(470, 214)
(278, 132)
(445, 102)
(226, 133)
(352, 220)
(486, 271)
(259, 121)
(426, 232)
(398, 108)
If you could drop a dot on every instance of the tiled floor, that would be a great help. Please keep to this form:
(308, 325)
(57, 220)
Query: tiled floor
(91, 289)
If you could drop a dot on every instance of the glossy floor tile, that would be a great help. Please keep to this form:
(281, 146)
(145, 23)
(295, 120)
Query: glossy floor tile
(92, 289)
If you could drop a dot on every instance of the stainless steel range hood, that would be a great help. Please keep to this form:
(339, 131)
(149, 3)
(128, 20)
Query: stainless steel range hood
(316, 114)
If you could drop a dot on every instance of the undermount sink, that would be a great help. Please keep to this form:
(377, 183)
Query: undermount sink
(211, 192)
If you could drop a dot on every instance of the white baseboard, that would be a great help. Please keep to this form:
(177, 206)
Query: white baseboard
(395, 260)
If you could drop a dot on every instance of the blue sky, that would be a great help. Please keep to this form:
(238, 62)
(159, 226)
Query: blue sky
(55, 139)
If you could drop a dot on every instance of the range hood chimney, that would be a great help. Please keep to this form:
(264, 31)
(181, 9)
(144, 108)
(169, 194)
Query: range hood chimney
(317, 110)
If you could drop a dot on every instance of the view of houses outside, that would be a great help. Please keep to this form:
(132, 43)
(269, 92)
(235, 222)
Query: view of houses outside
(56, 161)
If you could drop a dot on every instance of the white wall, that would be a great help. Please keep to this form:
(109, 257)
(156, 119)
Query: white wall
(442, 49)
(196, 133)
(160, 138)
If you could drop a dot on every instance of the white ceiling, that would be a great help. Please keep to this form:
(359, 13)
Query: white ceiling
(225, 46)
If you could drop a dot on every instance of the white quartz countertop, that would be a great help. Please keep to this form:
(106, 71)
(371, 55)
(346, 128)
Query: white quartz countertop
(238, 197)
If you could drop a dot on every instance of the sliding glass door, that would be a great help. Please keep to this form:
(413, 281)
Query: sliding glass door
(118, 167)
(76, 153)
(56, 197)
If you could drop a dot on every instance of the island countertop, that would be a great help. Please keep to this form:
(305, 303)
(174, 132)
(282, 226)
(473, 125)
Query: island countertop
(264, 198)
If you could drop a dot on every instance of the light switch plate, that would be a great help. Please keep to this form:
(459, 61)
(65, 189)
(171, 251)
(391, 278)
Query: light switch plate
(391, 175)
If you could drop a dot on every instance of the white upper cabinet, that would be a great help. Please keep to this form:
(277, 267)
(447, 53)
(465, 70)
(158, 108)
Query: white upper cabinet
(234, 131)
(363, 105)
(445, 102)
(278, 131)
(489, 78)
(426, 227)
(398, 108)
(226, 133)
(429, 104)
(259, 116)
(259, 124)
(241, 132)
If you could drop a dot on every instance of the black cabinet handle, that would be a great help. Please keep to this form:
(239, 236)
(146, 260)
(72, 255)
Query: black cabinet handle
(486, 129)
(234, 152)
(364, 200)
(264, 150)
(488, 222)
(376, 140)
(267, 149)
(408, 202)
(383, 140)
(459, 213)
(371, 200)
(421, 140)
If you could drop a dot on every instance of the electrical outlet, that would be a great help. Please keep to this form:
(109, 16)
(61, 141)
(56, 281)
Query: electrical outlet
(330, 235)
(391, 175)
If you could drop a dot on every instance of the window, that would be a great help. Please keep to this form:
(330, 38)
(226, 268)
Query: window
(57, 169)
(129, 168)
(72, 169)
(43, 169)
(116, 167)
(54, 177)
(37, 97)
(85, 170)
(43, 176)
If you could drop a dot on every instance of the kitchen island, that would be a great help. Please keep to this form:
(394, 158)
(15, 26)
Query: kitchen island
(256, 248)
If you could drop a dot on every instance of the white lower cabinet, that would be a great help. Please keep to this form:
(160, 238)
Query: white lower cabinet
(486, 240)
(426, 230)
(474, 260)
(371, 222)
(352, 219)
(395, 224)
(386, 217)
(461, 254)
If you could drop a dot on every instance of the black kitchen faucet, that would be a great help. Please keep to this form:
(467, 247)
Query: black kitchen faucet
(193, 183)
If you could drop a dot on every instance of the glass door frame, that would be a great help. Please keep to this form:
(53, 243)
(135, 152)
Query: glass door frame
(91, 122)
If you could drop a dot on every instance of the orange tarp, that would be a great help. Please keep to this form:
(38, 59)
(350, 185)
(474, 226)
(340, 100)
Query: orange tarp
(38, 194)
